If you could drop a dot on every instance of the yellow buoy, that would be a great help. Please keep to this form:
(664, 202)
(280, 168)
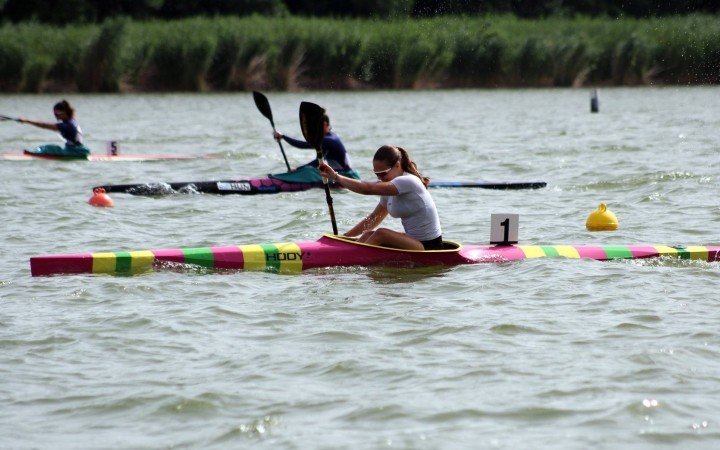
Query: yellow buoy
(601, 220)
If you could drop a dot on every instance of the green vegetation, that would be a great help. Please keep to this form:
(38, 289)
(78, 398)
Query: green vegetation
(293, 53)
(97, 11)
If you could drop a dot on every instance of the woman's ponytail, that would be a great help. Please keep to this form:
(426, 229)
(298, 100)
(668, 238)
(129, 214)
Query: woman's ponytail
(390, 155)
(409, 166)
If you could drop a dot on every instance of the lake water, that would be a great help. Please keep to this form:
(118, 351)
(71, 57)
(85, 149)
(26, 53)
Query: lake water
(547, 353)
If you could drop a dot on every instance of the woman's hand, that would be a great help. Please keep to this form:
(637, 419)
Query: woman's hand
(277, 136)
(327, 172)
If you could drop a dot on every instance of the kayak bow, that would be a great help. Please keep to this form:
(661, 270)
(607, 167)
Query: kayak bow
(338, 251)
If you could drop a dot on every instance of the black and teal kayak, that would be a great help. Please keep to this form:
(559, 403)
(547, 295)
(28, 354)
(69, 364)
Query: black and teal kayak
(299, 180)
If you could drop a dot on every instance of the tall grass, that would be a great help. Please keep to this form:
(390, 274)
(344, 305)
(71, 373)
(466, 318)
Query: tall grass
(180, 54)
(101, 70)
(294, 53)
(12, 62)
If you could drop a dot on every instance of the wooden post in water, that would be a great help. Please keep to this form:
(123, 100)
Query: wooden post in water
(594, 101)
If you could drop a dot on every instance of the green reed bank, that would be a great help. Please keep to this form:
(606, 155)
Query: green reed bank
(260, 53)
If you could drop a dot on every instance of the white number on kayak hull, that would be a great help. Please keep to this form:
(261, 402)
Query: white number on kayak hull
(241, 186)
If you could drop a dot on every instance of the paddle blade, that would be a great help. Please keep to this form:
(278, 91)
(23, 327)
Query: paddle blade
(263, 105)
(6, 117)
(311, 123)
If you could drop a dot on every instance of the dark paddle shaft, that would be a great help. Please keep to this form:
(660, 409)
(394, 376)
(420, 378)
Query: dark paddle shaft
(311, 122)
(263, 105)
(8, 118)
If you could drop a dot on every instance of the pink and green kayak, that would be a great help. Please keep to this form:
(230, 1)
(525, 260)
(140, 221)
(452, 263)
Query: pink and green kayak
(337, 251)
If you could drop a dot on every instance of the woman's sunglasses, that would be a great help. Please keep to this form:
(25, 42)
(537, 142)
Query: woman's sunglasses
(383, 172)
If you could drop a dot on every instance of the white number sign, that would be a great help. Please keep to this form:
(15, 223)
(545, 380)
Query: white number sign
(504, 229)
(113, 148)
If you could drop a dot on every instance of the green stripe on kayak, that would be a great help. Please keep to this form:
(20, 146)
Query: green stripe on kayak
(683, 253)
(549, 250)
(123, 262)
(617, 251)
(199, 256)
(271, 256)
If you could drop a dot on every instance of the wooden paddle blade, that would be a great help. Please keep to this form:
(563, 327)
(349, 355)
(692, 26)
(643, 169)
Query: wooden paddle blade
(263, 105)
(311, 123)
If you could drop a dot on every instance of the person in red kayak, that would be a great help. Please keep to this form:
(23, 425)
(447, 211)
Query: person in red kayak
(403, 194)
(69, 129)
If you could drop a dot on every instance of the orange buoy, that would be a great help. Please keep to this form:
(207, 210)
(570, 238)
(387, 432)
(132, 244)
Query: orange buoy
(100, 198)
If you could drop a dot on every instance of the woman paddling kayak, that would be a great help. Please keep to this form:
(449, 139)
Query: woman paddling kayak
(403, 194)
(333, 149)
(68, 128)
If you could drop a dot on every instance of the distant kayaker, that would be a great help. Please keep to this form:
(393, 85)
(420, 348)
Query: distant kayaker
(333, 149)
(68, 128)
(403, 194)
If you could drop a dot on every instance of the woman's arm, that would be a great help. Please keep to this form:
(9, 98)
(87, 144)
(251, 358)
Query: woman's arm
(47, 126)
(359, 186)
(369, 222)
(278, 136)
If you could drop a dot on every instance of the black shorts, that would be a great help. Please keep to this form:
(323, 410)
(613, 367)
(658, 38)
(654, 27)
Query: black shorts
(433, 244)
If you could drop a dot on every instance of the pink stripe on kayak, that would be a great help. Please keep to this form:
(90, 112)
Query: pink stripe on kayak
(172, 255)
(591, 251)
(322, 253)
(643, 251)
(511, 253)
(483, 253)
(713, 254)
(313, 245)
(228, 257)
(48, 265)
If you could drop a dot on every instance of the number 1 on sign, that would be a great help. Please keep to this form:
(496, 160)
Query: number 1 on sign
(506, 224)
(504, 229)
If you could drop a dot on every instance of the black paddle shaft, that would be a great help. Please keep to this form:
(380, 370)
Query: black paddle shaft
(311, 123)
(263, 105)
